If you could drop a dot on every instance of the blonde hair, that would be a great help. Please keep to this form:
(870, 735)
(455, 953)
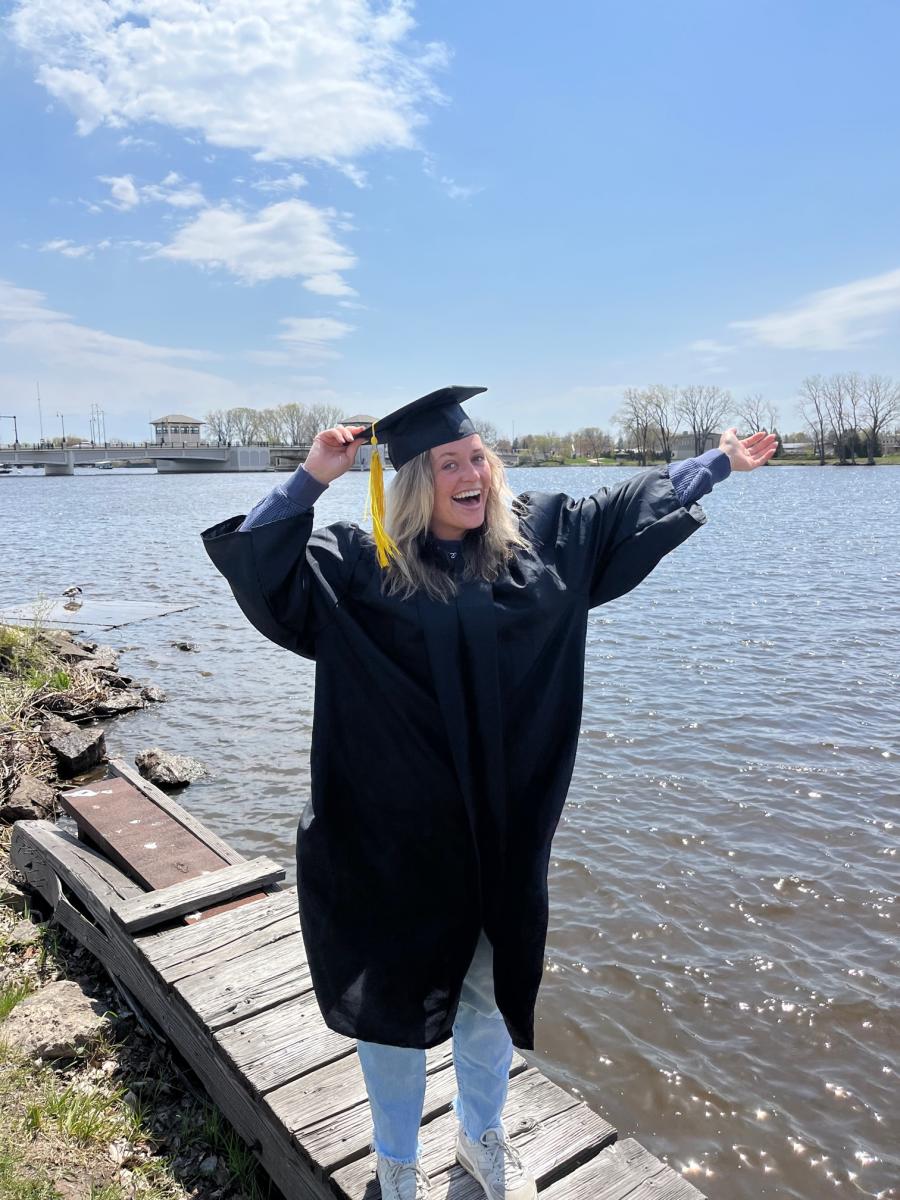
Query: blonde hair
(486, 551)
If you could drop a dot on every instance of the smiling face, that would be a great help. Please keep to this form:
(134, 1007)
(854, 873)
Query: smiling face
(462, 481)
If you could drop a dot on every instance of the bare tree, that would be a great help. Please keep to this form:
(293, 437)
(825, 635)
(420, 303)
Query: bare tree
(663, 404)
(592, 442)
(815, 412)
(704, 408)
(488, 431)
(321, 416)
(271, 425)
(752, 412)
(216, 422)
(879, 404)
(837, 392)
(293, 416)
(636, 420)
(243, 424)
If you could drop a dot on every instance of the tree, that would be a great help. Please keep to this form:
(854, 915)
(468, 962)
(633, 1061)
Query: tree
(243, 424)
(319, 417)
(836, 393)
(487, 430)
(293, 417)
(879, 404)
(216, 422)
(271, 425)
(814, 412)
(704, 408)
(591, 442)
(663, 404)
(635, 417)
(752, 412)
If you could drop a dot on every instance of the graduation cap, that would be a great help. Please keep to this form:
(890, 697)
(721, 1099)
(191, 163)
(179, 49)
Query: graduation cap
(429, 421)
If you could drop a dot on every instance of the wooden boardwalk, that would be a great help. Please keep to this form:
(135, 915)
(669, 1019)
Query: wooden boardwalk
(213, 954)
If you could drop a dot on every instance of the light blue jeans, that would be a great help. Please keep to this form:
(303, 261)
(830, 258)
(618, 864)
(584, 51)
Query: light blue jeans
(482, 1054)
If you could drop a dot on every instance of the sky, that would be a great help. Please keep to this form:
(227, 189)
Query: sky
(250, 202)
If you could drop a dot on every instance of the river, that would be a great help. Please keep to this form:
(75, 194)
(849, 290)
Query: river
(722, 972)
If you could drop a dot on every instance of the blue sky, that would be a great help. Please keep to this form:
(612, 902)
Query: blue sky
(250, 202)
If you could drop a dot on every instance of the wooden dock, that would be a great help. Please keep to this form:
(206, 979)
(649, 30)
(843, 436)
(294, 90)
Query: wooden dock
(209, 947)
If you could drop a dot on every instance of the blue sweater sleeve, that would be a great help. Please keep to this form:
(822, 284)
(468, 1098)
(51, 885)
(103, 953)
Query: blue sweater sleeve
(297, 495)
(695, 477)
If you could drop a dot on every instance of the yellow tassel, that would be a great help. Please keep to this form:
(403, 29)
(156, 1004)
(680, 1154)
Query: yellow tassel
(385, 546)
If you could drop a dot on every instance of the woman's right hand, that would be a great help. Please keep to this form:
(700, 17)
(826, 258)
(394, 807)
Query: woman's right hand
(333, 452)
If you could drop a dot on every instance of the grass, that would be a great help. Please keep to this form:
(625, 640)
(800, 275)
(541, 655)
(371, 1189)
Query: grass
(10, 995)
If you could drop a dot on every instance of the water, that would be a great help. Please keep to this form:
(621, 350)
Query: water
(722, 966)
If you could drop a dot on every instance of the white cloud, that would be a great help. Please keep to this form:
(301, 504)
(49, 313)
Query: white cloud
(77, 363)
(285, 79)
(286, 183)
(284, 241)
(710, 346)
(123, 193)
(456, 191)
(68, 249)
(303, 339)
(837, 318)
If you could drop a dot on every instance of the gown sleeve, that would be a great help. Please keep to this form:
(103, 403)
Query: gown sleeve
(287, 578)
(603, 545)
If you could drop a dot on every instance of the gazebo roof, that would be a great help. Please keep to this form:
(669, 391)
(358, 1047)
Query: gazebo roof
(177, 419)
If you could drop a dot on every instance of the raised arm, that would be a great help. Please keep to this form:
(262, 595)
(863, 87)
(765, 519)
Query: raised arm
(286, 577)
(605, 544)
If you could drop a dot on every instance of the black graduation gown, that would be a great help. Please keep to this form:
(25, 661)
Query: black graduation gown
(443, 743)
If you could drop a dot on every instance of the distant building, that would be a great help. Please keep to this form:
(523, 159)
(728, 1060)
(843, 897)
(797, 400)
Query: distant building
(177, 430)
(793, 449)
(683, 444)
(364, 454)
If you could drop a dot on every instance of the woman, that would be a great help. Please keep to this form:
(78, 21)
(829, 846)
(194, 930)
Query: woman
(449, 654)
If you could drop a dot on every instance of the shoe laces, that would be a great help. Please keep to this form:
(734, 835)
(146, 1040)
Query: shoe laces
(399, 1173)
(506, 1167)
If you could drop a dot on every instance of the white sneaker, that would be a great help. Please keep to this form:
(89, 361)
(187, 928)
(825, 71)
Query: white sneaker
(402, 1181)
(495, 1163)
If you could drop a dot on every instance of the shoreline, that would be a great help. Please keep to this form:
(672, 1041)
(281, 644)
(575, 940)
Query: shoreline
(92, 1103)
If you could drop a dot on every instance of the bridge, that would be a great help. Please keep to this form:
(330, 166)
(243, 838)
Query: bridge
(167, 459)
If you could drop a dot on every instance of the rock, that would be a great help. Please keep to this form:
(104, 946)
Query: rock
(208, 1165)
(191, 647)
(13, 897)
(70, 651)
(111, 678)
(31, 801)
(168, 770)
(76, 749)
(24, 933)
(115, 702)
(106, 657)
(154, 693)
(54, 1022)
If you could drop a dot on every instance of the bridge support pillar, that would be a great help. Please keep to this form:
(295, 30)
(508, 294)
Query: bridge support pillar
(240, 458)
(67, 467)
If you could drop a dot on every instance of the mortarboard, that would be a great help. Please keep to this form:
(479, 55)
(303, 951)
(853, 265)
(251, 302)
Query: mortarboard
(429, 421)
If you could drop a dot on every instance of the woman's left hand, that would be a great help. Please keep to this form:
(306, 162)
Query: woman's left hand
(747, 454)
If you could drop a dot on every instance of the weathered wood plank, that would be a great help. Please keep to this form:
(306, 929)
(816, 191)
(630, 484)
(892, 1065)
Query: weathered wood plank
(625, 1169)
(554, 1126)
(248, 984)
(182, 951)
(212, 887)
(212, 960)
(136, 834)
(282, 1043)
(123, 769)
(41, 852)
(327, 1110)
(46, 854)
